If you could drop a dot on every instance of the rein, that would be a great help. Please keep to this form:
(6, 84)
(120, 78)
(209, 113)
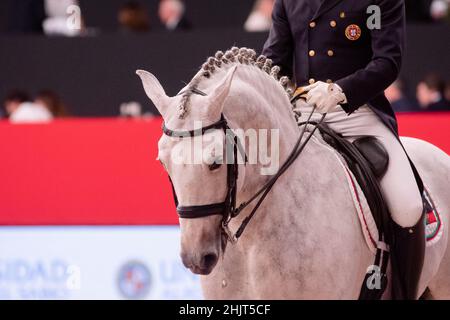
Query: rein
(228, 208)
(264, 191)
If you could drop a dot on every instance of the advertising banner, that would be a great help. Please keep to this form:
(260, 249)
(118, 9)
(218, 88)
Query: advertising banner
(93, 263)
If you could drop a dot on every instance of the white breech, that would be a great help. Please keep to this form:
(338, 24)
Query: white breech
(399, 186)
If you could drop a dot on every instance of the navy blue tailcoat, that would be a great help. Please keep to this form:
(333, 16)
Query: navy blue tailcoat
(336, 41)
(330, 40)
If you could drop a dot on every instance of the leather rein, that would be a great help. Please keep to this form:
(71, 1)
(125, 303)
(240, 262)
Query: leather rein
(227, 209)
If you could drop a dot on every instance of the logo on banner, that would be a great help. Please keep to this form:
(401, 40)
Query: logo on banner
(134, 280)
(47, 279)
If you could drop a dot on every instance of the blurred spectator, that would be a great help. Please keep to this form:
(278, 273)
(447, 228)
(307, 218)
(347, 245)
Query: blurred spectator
(26, 16)
(172, 15)
(395, 93)
(426, 10)
(439, 9)
(13, 100)
(430, 94)
(63, 18)
(52, 102)
(20, 110)
(29, 112)
(131, 109)
(133, 17)
(260, 18)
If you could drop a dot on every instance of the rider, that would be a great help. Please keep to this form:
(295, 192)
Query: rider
(345, 61)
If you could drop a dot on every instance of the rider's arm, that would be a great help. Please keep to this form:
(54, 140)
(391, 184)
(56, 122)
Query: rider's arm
(387, 47)
(279, 46)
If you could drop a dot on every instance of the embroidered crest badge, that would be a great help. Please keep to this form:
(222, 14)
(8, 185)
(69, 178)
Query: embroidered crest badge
(353, 32)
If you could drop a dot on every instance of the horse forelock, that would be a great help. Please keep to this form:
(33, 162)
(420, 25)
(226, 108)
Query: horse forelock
(224, 61)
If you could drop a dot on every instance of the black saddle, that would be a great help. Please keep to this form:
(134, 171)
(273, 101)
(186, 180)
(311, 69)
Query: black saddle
(368, 160)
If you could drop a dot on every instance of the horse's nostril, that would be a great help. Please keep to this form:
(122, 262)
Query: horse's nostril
(209, 260)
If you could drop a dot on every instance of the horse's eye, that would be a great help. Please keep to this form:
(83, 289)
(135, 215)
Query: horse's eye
(214, 166)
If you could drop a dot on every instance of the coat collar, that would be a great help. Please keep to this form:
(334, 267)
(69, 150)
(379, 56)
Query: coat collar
(325, 6)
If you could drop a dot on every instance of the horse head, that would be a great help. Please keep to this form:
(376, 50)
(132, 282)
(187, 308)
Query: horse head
(195, 165)
(194, 148)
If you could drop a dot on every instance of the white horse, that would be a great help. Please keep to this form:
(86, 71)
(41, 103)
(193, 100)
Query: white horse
(300, 244)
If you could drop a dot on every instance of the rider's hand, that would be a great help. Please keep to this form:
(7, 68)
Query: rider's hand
(324, 96)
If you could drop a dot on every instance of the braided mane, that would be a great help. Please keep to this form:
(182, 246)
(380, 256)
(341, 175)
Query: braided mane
(232, 56)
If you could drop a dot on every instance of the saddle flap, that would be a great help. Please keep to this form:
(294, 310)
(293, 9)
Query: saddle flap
(375, 154)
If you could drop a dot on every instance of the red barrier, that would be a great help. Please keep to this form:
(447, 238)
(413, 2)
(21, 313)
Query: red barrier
(83, 172)
(104, 172)
(431, 127)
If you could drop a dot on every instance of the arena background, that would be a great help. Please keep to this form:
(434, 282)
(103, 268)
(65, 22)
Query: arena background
(86, 211)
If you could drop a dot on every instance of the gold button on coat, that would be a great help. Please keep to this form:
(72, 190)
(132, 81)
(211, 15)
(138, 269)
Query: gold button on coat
(342, 14)
(330, 53)
(312, 24)
(333, 23)
(312, 53)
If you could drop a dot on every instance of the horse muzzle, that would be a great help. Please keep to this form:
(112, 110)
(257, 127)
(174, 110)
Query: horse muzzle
(203, 265)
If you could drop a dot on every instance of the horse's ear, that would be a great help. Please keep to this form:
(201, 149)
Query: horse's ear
(220, 93)
(154, 90)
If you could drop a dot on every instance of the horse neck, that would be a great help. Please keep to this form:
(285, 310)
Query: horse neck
(258, 102)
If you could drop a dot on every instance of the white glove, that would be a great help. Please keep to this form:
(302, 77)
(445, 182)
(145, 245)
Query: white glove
(325, 96)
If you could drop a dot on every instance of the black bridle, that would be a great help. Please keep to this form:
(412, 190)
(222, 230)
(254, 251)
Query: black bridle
(229, 204)
(227, 209)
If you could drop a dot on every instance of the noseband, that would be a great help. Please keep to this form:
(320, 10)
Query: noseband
(227, 209)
